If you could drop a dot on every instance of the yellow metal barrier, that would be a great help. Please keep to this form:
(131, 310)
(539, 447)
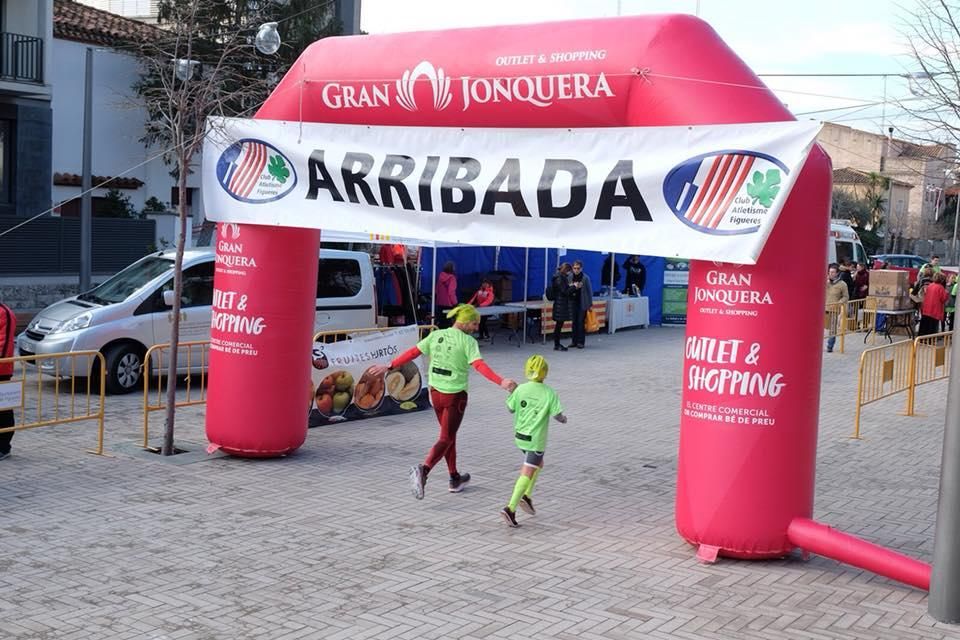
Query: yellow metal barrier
(930, 362)
(884, 371)
(190, 356)
(861, 316)
(835, 321)
(32, 410)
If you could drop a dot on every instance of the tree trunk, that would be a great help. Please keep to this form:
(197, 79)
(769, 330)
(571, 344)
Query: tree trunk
(168, 448)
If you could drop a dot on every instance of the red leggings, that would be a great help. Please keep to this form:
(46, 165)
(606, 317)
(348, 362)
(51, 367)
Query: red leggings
(450, 408)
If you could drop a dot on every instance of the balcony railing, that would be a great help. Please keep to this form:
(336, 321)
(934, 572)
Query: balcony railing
(21, 58)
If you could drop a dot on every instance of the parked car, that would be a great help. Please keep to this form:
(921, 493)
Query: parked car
(904, 262)
(129, 313)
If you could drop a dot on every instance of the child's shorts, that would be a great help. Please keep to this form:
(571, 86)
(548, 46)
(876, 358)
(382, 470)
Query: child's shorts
(532, 458)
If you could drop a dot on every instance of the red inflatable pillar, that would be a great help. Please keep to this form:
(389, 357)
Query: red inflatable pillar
(751, 384)
(265, 289)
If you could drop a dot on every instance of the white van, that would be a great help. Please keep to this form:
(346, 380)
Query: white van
(127, 314)
(843, 243)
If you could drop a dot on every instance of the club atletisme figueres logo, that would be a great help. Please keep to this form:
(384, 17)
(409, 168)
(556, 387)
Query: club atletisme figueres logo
(537, 90)
(725, 192)
(255, 172)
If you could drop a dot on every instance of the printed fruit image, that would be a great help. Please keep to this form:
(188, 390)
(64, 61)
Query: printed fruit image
(344, 381)
(325, 403)
(404, 383)
(330, 398)
(340, 401)
(368, 393)
(395, 383)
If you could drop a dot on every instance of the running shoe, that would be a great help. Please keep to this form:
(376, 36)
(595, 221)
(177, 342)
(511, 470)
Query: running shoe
(527, 505)
(418, 479)
(458, 482)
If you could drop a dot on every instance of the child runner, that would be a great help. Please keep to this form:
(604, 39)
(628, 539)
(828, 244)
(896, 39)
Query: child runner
(532, 404)
(452, 352)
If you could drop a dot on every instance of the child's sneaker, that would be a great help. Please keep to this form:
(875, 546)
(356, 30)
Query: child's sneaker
(418, 479)
(527, 505)
(458, 482)
(510, 517)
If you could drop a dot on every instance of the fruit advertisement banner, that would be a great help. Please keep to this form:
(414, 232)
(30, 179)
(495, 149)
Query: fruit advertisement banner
(342, 388)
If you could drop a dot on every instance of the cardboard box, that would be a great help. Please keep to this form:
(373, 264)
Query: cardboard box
(889, 283)
(894, 303)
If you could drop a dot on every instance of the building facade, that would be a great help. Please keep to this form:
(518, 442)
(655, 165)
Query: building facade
(25, 111)
(913, 212)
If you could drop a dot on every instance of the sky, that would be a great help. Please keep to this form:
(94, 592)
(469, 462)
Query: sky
(808, 37)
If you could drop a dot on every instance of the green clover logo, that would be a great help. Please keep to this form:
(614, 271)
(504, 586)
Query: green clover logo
(278, 169)
(764, 188)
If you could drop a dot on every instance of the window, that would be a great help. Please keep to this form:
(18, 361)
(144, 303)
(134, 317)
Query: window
(175, 198)
(6, 145)
(121, 286)
(916, 263)
(197, 286)
(338, 278)
(196, 290)
(844, 251)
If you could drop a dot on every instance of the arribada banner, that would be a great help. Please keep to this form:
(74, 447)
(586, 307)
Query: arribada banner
(342, 387)
(703, 192)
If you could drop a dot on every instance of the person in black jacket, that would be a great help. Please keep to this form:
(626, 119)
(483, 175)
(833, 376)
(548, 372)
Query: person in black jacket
(636, 274)
(605, 272)
(562, 302)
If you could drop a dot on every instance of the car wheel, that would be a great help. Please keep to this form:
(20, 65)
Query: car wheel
(124, 368)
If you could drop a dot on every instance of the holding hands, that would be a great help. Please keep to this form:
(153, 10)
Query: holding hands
(379, 369)
(508, 385)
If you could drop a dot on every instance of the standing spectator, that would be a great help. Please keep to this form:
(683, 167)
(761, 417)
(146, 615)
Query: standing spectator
(836, 292)
(951, 301)
(847, 277)
(608, 263)
(562, 302)
(934, 265)
(636, 274)
(581, 303)
(861, 282)
(933, 307)
(446, 294)
(8, 330)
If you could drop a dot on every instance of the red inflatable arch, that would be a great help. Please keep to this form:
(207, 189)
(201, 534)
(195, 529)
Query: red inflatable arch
(743, 478)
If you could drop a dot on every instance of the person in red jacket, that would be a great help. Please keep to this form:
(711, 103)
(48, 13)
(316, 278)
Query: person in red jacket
(446, 294)
(452, 353)
(483, 298)
(933, 306)
(8, 330)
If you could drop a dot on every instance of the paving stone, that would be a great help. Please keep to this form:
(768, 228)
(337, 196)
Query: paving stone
(327, 543)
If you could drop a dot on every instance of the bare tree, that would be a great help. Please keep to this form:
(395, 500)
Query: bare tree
(932, 31)
(204, 63)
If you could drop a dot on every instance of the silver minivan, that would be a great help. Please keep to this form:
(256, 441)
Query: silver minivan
(128, 313)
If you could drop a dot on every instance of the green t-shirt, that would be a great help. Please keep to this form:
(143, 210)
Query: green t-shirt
(451, 353)
(533, 404)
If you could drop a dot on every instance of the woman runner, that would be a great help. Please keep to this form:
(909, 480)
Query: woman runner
(452, 352)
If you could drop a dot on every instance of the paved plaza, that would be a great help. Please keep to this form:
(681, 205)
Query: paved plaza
(328, 543)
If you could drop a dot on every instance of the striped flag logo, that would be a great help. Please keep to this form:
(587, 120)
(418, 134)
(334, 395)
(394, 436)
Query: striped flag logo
(715, 193)
(255, 171)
